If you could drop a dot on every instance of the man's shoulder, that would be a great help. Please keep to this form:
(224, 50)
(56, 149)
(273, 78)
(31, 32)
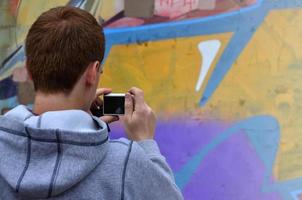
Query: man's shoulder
(131, 151)
(118, 149)
(121, 142)
(136, 153)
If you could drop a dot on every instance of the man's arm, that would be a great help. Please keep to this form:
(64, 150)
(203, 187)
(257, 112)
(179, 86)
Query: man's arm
(147, 174)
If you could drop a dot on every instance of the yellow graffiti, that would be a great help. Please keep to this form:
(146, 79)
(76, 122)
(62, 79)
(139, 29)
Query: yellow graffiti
(266, 79)
(167, 71)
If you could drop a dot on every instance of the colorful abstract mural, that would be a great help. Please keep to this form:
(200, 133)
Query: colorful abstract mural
(223, 76)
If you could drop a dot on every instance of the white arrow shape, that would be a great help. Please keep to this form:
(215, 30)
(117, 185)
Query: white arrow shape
(208, 50)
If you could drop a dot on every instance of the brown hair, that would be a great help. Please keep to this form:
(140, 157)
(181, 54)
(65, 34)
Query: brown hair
(60, 45)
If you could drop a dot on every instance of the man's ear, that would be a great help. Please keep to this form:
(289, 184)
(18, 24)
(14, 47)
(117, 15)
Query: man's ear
(92, 73)
(28, 72)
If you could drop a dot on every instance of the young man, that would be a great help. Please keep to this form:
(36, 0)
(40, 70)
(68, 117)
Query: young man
(59, 150)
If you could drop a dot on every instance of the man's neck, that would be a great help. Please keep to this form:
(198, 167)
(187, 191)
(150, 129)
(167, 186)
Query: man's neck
(54, 102)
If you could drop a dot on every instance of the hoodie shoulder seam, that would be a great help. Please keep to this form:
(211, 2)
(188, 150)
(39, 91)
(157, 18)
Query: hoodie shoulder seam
(57, 165)
(70, 142)
(124, 170)
(13, 132)
(28, 156)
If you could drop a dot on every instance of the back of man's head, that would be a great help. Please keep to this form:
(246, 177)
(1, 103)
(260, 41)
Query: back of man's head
(60, 45)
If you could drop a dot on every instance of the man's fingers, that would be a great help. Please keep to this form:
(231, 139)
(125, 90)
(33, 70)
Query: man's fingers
(128, 105)
(138, 95)
(109, 119)
(98, 101)
(97, 105)
(101, 91)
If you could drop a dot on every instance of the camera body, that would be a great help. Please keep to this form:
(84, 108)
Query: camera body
(114, 104)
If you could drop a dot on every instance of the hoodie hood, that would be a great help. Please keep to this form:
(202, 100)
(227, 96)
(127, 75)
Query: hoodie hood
(44, 156)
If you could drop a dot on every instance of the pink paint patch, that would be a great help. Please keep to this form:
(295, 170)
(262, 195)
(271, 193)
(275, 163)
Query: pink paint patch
(174, 8)
(127, 22)
(300, 196)
(20, 75)
(13, 6)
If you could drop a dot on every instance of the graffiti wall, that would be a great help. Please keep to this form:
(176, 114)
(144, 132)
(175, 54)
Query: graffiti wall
(223, 76)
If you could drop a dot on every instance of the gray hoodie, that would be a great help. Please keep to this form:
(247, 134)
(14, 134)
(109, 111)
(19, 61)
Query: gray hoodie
(68, 155)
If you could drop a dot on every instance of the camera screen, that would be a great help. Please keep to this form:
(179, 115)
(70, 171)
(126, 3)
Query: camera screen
(114, 105)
